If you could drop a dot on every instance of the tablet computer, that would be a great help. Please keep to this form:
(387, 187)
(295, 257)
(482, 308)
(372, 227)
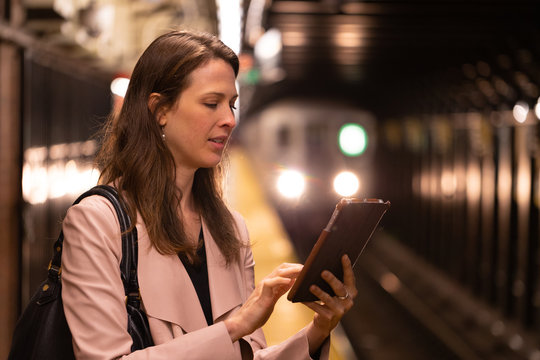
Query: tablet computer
(351, 225)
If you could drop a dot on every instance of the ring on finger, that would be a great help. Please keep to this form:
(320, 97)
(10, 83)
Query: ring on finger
(345, 297)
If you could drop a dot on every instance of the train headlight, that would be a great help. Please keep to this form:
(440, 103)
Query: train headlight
(346, 183)
(291, 184)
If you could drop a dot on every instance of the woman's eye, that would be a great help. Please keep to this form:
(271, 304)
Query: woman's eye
(210, 105)
(232, 106)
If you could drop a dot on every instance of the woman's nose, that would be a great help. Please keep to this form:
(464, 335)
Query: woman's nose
(228, 119)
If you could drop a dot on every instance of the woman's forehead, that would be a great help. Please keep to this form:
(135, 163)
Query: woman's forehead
(215, 76)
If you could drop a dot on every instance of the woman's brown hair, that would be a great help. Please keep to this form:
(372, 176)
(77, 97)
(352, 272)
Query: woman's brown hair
(134, 157)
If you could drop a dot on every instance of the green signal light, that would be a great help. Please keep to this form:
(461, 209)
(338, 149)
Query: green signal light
(352, 139)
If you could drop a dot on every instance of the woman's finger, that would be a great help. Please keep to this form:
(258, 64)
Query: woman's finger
(287, 270)
(291, 271)
(331, 308)
(336, 304)
(348, 276)
(318, 308)
(276, 281)
(329, 301)
(336, 285)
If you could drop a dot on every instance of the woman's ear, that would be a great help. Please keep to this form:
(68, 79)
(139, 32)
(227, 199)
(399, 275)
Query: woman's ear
(153, 101)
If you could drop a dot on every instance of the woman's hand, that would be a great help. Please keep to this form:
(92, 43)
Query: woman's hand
(257, 309)
(330, 310)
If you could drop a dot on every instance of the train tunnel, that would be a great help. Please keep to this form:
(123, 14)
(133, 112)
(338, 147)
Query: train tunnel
(442, 96)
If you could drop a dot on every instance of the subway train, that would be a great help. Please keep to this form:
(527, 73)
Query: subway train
(307, 162)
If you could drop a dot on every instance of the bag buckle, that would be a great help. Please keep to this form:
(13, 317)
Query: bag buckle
(56, 269)
(136, 295)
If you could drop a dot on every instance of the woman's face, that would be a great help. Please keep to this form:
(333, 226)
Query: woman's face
(201, 121)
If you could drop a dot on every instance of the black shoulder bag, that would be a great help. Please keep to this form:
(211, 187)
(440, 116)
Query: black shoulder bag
(42, 331)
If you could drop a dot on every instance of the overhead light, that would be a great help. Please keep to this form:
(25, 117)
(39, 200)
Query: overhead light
(268, 47)
(119, 86)
(230, 15)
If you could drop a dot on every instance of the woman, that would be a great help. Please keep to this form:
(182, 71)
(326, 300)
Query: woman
(162, 151)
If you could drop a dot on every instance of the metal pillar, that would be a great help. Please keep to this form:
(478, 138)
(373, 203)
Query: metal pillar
(10, 183)
(11, 13)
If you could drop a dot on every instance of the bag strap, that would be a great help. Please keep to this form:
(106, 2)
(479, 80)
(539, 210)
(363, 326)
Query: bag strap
(128, 264)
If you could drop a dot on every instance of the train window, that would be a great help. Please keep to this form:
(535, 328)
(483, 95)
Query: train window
(283, 136)
(316, 132)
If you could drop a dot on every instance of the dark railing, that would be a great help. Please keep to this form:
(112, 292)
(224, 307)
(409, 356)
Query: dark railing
(465, 200)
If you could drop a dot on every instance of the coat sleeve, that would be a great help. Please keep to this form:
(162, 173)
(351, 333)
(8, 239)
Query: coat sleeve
(93, 294)
(295, 347)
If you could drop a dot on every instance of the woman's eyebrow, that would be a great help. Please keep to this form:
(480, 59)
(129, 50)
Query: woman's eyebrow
(220, 94)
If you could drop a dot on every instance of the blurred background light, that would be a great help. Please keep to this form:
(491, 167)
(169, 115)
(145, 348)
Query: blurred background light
(537, 109)
(268, 47)
(59, 171)
(267, 51)
(390, 282)
(520, 111)
(294, 38)
(448, 183)
(254, 21)
(119, 86)
(230, 23)
(291, 184)
(352, 139)
(346, 183)
(348, 39)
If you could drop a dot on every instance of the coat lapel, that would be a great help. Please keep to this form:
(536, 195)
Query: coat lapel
(225, 282)
(166, 288)
(168, 293)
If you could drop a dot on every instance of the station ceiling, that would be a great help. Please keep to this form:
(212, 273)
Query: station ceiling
(381, 49)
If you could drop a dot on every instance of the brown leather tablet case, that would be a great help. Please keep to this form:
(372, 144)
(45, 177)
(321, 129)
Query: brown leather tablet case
(352, 224)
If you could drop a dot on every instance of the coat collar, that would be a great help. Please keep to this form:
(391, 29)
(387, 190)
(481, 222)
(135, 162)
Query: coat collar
(168, 293)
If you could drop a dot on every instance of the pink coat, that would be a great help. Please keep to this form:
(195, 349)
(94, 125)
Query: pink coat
(93, 296)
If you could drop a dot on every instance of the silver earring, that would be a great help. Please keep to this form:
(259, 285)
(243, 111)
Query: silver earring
(162, 133)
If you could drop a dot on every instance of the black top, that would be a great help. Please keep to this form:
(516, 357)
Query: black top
(199, 277)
